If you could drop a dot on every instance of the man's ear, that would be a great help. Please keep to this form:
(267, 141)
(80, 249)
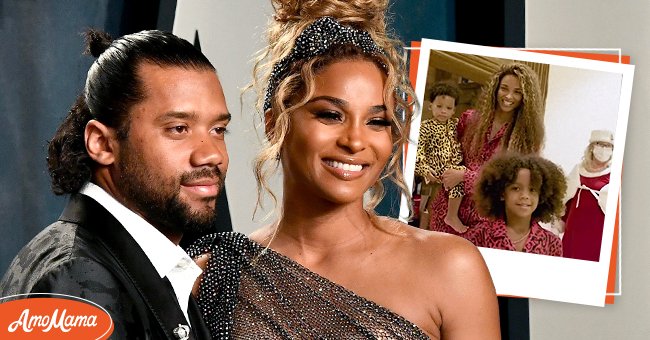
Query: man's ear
(100, 142)
(269, 123)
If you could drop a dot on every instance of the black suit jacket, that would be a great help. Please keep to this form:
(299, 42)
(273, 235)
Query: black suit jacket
(88, 253)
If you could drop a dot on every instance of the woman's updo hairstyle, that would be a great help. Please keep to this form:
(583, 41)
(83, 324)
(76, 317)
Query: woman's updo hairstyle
(296, 87)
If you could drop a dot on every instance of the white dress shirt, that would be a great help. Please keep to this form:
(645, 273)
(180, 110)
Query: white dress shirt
(169, 259)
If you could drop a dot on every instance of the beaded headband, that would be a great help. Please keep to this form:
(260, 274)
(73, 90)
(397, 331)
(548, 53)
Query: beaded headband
(317, 38)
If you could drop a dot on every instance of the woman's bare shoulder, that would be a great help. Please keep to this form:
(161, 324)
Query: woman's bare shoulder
(456, 280)
(434, 257)
(435, 245)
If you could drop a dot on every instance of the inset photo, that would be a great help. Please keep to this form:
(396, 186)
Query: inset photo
(521, 153)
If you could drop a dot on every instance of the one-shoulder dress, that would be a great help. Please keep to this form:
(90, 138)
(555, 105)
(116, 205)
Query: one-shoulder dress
(252, 292)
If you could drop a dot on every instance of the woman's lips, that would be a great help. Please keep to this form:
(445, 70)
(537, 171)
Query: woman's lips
(345, 166)
(345, 171)
(507, 103)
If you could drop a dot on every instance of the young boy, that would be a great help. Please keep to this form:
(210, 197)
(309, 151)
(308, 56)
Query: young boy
(516, 192)
(439, 149)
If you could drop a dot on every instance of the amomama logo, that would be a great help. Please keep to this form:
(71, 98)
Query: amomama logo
(59, 317)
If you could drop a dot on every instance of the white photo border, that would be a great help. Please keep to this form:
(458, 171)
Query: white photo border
(530, 275)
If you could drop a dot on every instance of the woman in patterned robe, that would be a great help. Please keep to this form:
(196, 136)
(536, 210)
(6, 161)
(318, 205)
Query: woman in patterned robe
(509, 118)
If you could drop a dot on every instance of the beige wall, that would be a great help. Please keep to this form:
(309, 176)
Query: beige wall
(606, 24)
(230, 33)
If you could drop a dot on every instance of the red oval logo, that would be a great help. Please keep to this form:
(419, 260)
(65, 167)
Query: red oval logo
(64, 317)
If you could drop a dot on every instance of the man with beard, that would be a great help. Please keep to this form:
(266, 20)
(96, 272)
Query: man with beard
(143, 157)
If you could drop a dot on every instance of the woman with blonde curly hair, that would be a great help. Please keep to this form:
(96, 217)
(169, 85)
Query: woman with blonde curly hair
(509, 117)
(331, 87)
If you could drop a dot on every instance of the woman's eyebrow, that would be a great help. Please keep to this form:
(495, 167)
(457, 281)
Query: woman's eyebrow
(333, 100)
(377, 109)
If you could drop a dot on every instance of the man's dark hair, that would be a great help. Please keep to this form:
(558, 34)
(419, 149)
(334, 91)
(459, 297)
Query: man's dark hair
(112, 88)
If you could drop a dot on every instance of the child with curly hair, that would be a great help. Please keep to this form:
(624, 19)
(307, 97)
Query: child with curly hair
(439, 148)
(516, 192)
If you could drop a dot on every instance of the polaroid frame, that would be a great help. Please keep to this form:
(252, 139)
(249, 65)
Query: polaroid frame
(539, 276)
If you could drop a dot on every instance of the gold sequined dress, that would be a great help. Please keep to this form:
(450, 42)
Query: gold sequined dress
(248, 292)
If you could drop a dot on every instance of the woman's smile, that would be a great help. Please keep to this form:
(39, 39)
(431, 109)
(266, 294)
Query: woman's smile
(345, 171)
(340, 140)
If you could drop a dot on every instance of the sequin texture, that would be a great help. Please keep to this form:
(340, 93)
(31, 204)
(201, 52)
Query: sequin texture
(315, 40)
(249, 292)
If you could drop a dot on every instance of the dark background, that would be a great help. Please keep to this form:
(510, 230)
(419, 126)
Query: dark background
(42, 71)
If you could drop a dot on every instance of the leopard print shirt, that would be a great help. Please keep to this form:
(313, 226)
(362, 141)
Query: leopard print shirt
(467, 212)
(439, 150)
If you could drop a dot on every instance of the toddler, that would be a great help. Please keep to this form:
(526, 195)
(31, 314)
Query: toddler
(439, 149)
